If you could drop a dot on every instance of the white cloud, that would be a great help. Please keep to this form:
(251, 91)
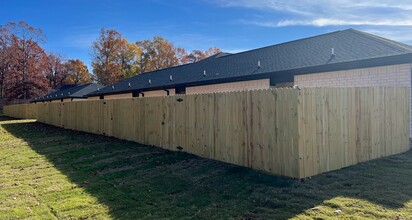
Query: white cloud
(402, 34)
(322, 22)
(321, 13)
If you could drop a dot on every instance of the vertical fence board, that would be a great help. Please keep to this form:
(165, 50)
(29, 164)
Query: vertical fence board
(297, 133)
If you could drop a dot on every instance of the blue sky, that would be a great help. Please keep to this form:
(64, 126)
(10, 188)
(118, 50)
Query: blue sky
(232, 25)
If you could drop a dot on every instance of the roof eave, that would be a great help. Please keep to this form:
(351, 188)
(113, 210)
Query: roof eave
(355, 64)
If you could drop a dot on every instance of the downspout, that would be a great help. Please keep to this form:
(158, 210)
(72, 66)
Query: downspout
(167, 91)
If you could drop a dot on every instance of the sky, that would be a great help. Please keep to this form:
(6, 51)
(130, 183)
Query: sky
(231, 25)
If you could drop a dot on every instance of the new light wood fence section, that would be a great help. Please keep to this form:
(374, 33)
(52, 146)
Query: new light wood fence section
(296, 133)
(21, 111)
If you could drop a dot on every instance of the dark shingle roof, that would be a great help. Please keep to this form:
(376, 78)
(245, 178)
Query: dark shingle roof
(64, 87)
(349, 45)
(75, 91)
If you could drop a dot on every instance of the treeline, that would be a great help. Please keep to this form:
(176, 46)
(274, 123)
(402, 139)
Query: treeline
(28, 71)
(115, 58)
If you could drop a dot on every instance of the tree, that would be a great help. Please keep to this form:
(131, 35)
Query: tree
(56, 71)
(128, 56)
(26, 70)
(181, 55)
(165, 55)
(105, 51)
(147, 52)
(157, 54)
(212, 51)
(5, 57)
(114, 58)
(77, 72)
(197, 55)
(29, 60)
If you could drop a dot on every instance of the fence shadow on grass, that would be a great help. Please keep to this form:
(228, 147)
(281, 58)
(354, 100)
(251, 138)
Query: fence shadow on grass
(134, 180)
(4, 119)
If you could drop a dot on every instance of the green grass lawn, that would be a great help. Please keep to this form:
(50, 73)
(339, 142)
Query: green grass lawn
(52, 173)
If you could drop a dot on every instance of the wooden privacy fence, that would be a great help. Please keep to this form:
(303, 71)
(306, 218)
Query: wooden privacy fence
(21, 111)
(296, 133)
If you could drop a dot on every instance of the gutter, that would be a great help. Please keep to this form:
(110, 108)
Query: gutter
(285, 74)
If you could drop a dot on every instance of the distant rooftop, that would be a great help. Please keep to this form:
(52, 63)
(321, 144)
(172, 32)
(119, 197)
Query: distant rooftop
(334, 48)
(71, 91)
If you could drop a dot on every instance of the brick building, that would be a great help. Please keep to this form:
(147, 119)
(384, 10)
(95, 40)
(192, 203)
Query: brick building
(337, 59)
(347, 58)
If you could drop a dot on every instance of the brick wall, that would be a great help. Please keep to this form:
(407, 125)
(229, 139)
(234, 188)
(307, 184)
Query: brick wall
(119, 96)
(130, 95)
(159, 93)
(93, 98)
(75, 100)
(394, 75)
(229, 87)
